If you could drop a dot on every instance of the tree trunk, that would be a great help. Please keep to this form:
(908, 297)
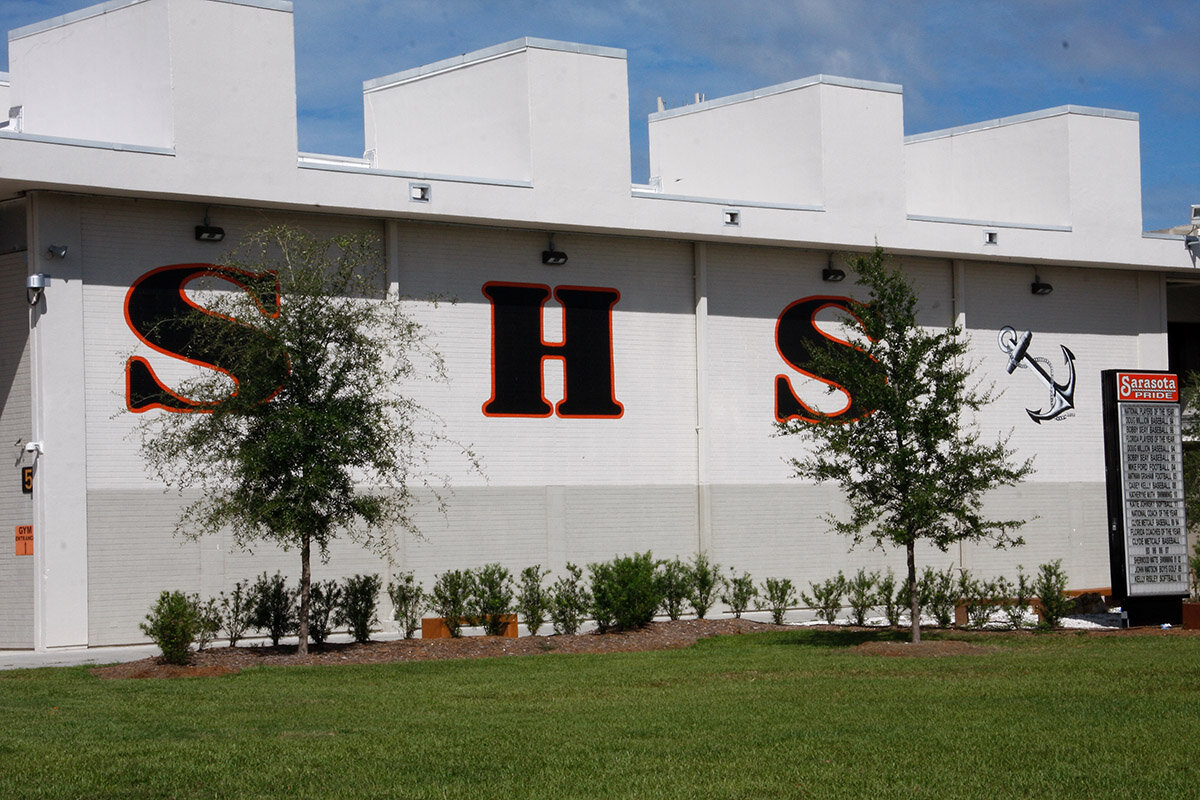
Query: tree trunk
(914, 602)
(305, 584)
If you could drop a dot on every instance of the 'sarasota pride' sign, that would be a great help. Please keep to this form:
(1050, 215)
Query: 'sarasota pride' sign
(1151, 387)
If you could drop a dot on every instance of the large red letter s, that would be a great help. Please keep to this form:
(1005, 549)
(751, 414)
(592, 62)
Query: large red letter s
(159, 296)
(796, 332)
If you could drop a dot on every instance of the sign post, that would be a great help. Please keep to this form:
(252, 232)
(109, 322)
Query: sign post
(1147, 532)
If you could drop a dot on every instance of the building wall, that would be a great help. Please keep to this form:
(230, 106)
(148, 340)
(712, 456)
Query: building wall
(692, 461)
(16, 508)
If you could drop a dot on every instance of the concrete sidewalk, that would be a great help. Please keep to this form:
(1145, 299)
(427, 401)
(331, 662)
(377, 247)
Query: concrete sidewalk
(69, 657)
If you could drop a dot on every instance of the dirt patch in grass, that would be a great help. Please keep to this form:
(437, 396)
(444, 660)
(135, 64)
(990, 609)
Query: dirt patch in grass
(926, 648)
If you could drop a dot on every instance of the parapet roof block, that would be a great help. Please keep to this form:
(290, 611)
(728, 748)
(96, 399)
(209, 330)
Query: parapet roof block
(1087, 111)
(495, 51)
(779, 88)
(114, 5)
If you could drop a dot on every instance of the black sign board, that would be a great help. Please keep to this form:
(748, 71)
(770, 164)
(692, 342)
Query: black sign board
(27, 480)
(1147, 532)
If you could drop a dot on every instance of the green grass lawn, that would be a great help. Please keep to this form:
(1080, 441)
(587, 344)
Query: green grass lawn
(770, 715)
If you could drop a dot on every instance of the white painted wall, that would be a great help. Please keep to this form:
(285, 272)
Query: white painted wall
(557, 154)
(104, 76)
(1070, 166)
(766, 149)
(467, 119)
(60, 520)
(16, 508)
(550, 147)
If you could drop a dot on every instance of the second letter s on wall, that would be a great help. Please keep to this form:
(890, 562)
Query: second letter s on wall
(795, 332)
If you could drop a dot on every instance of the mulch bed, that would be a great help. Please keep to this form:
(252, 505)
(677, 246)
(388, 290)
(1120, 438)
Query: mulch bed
(227, 660)
(663, 635)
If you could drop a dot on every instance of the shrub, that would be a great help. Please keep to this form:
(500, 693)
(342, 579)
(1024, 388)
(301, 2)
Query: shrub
(939, 594)
(324, 609)
(780, 595)
(625, 592)
(675, 582)
(360, 600)
(408, 599)
(172, 624)
(826, 597)
(274, 607)
(891, 597)
(861, 595)
(492, 598)
(1017, 598)
(236, 611)
(451, 597)
(706, 579)
(1194, 568)
(1050, 586)
(208, 619)
(739, 592)
(569, 601)
(533, 601)
(978, 598)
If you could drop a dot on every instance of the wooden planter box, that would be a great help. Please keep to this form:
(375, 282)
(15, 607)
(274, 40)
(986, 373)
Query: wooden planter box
(1191, 615)
(435, 627)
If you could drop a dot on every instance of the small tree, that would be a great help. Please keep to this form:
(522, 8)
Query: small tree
(492, 598)
(778, 595)
(408, 600)
(173, 624)
(360, 599)
(569, 601)
(324, 610)
(912, 467)
(451, 598)
(312, 440)
(739, 592)
(533, 601)
(861, 594)
(705, 583)
(236, 610)
(274, 607)
(675, 579)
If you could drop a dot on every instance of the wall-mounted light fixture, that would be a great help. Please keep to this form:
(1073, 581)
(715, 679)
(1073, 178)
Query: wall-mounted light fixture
(209, 232)
(555, 258)
(1192, 243)
(57, 251)
(1040, 288)
(831, 273)
(35, 284)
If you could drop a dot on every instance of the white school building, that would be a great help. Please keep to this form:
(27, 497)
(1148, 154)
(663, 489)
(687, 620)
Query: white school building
(133, 122)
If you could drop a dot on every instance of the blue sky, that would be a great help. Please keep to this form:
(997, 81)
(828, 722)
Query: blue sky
(959, 61)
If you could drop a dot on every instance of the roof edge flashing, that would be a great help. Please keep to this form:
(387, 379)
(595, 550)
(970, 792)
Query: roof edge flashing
(778, 88)
(1017, 119)
(488, 53)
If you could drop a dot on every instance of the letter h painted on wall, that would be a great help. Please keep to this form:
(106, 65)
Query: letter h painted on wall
(519, 350)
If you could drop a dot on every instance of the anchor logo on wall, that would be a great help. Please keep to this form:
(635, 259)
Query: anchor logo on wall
(1062, 395)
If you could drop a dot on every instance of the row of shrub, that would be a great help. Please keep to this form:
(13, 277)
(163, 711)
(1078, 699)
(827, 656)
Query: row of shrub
(939, 593)
(622, 594)
(268, 605)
